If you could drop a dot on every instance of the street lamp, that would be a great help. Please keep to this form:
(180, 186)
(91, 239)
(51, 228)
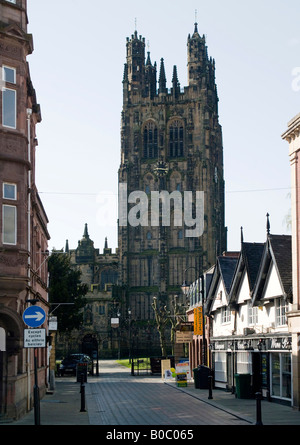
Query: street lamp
(129, 319)
(185, 288)
(119, 340)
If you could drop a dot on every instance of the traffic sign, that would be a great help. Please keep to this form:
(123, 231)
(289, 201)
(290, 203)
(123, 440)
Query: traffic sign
(34, 316)
(34, 338)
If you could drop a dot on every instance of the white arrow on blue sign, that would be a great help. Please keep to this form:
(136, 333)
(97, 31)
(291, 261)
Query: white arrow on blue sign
(34, 316)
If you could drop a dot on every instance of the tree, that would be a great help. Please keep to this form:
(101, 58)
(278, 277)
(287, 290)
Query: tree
(65, 287)
(162, 317)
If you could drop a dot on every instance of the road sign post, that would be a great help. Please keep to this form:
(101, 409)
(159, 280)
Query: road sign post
(34, 338)
(34, 317)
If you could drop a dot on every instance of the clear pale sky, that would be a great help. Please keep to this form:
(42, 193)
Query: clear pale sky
(77, 71)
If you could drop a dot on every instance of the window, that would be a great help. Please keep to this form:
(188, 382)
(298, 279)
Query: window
(243, 362)
(9, 74)
(220, 366)
(9, 117)
(9, 191)
(225, 315)
(176, 139)
(108, 277)
(9, 98)
(9, 224)
(281, 375)
(12, 1)
(101, 309)
(280, 312)
(150, 141)
(252, 314)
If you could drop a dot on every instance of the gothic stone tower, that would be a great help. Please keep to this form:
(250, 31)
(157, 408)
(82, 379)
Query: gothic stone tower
(171, 140)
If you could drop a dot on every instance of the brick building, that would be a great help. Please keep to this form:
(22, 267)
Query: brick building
(23, 221)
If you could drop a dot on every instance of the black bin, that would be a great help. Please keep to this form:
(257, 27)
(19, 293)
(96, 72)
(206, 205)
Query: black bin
(201, 375)
(243, 386)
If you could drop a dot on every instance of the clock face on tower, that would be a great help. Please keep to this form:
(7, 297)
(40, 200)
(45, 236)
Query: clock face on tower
(161, 169)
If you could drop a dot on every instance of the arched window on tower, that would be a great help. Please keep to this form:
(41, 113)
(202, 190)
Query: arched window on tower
(108, 277)
(149, 184)
(175, 182)
(176, 139)
(150, 141)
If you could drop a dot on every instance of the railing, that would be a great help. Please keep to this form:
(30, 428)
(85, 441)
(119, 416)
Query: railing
(141, 366)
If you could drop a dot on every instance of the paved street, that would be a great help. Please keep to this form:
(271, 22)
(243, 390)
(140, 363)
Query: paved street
(118, 398)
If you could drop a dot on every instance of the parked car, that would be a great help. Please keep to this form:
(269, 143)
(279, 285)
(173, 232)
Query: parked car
(69, 364)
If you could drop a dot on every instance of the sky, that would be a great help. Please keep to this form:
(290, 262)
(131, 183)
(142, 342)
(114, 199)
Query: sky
(77, 70)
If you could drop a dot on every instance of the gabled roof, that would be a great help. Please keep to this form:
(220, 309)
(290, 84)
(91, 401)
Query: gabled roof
(224, 271)
(278, 251)
(249, 261)
(15, 31)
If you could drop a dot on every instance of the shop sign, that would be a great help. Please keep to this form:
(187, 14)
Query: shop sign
(198, 321)
(184, 337)
(280, 343)
(219, 346)
(186, 326)
(34, 338)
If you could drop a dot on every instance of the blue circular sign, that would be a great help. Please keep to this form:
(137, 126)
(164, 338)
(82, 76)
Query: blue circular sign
(34, 316)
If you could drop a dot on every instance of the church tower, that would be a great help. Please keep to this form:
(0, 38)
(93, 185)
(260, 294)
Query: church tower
(171, 145)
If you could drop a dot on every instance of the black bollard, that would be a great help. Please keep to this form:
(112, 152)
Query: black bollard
(258, 396)
(82, 391)
(210, 383)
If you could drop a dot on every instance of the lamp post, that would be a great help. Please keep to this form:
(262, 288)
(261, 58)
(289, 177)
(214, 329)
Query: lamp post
(129, 319)
(119, 339)
(185, 288)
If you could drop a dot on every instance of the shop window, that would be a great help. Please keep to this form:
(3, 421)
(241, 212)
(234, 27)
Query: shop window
(243, 363)
(281, 375)
(220, 366)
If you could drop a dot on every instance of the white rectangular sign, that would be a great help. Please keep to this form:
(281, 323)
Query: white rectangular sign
(114, 322)
(52, 323)
(34, 338)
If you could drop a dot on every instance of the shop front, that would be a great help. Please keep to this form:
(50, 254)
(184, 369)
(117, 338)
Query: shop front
(267, 361)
